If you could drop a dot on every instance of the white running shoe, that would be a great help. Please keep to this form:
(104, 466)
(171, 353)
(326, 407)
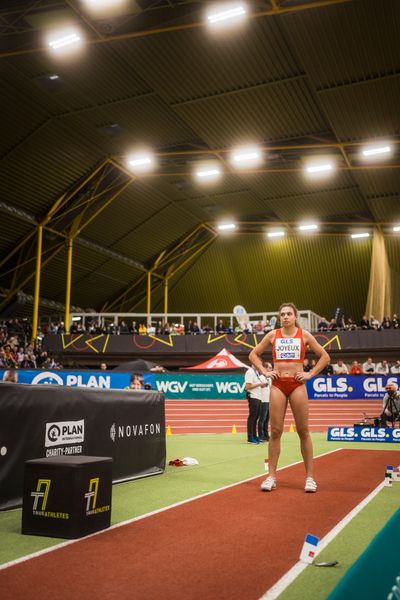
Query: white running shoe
(269, 484)
(311, 485)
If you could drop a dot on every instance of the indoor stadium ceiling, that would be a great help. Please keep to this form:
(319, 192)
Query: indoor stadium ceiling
(304, 80)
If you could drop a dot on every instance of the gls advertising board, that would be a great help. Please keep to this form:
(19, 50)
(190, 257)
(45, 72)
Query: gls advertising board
(363, 434)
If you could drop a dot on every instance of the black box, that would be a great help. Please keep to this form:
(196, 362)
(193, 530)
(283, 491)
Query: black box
(67, 497)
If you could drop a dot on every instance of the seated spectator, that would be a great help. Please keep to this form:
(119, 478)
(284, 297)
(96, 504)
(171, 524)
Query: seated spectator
(327, 371)
(207, 328)
(133, 329)
(151, 330)
(142, 329)
(103, 366)
(355, 368)
(27, 363)
(332, 325)
(382, 368)
(340, 368)
(220, 327)
(323, 325)
(369, 367)
(395, 369)
(259, 328)
(61, 327)
(395, 322)
(123, 328)
(306, 365)
(10, 375)
(386, 323)
(374, 323)
(365, 323)
(180, 329)
(350, 325)
(195, 328)
(9, 358)
(267, 326)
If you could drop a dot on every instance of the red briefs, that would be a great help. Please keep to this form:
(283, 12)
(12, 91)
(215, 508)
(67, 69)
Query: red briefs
(287, 384)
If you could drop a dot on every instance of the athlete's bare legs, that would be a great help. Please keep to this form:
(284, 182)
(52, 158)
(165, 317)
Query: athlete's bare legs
(277, 410)
(299, 405)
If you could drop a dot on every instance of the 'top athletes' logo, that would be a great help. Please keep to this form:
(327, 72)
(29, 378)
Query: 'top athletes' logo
(48, 378)
(91, 495)
(41, 493)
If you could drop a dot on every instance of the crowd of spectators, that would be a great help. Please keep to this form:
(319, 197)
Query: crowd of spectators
(192, 327)
(17, 350)
(369, 367)
(371, 323)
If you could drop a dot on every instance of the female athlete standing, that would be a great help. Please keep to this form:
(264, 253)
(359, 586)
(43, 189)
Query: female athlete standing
(288, 384)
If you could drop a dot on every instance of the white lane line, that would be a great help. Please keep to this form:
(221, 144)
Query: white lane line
(150, 514)
(299, 567)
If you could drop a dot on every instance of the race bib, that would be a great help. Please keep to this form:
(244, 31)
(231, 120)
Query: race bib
(288, 348)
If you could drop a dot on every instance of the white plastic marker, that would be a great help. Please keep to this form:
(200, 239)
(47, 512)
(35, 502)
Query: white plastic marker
(309, 549)
(388, 476)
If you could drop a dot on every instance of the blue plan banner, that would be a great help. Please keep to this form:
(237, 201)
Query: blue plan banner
(107, 380)
(349, 387)
(363, 434)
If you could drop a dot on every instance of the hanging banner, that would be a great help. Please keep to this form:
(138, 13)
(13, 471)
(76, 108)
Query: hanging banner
(41, 421)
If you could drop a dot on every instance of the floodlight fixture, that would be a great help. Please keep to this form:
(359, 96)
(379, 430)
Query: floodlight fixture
(66, 40)
(276, 234)
(141, 162)
(363, 234)
(208, 172)
(243, 158)
(375, 150)
(308, 227)
(227, 226)
(396, 228)
(102, 5)
(319, 168)
(76, 318)
(224, 15)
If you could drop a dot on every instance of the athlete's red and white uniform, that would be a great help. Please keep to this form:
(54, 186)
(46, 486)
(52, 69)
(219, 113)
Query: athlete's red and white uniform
(288, 349)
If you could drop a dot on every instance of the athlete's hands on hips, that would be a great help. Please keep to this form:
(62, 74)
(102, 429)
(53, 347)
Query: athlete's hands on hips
(272, 374)
(302, 376)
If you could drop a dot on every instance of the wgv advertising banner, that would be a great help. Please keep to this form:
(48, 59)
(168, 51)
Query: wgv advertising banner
(204, 387)
(363, 434)
(90, 379)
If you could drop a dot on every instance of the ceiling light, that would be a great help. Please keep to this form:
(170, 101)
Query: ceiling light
(140, 162)
(359, 235)
(54, 77)
(233, 12)
(246, 157)
(376, 150)
(226, 226)
(396, 228)
(319, 168)
(99, 5)
(207, 171)
(272, 234)
(70, 39)
(308, 227)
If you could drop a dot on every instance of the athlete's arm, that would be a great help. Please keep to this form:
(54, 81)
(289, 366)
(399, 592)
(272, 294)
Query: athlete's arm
(256, 354)
(323, 361)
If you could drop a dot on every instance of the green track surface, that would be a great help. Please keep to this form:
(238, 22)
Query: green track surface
(226, 459)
